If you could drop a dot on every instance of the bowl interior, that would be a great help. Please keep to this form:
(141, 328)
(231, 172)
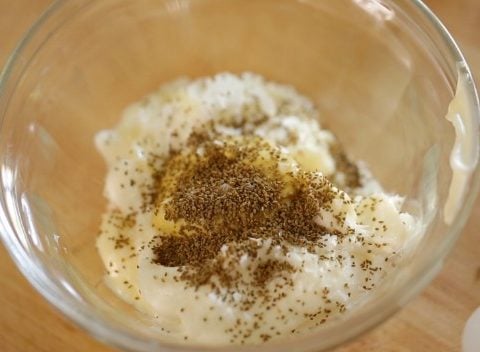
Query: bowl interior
(377, 79)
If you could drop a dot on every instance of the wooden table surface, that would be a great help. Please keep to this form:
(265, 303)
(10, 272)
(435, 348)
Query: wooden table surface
(432, 322)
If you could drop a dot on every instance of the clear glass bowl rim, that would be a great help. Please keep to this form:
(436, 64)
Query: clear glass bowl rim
(45, 284)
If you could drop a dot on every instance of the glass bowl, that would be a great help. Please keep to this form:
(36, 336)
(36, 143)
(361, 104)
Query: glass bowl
(382, 73)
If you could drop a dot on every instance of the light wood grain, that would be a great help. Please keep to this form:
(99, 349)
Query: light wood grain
(432, 322)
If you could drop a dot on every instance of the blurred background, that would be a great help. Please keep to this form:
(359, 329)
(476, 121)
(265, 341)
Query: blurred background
(434, 321)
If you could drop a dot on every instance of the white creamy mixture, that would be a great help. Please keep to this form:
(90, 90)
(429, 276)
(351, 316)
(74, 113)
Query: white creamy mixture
(271, 285)
(465, 151)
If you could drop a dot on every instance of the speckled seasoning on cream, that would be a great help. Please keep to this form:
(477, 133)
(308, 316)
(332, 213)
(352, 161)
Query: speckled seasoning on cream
(233, 217)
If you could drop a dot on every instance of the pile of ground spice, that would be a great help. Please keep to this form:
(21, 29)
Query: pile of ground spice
(228, 193)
